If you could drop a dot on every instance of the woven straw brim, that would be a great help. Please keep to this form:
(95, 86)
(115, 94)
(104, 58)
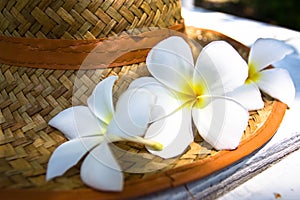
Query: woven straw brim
(31, 97)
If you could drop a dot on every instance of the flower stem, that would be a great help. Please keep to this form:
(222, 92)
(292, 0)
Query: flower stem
(150, 143)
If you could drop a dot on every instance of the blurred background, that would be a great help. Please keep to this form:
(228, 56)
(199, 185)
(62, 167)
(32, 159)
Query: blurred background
(284, 13)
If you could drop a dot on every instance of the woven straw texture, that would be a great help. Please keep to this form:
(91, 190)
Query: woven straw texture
(29, 98)
(82, 19)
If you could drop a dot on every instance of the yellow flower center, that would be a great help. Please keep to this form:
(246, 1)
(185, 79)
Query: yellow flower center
(199, 93)
(193, 95)
(253, 74)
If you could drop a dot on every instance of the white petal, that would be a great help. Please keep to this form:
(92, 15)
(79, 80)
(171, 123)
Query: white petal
(101, 171)
(68, 154)
(220, 68)
(133, 113)
(77, 121)
(221, 123)
(278, 84)
(174, 132)
(157, 112)
(143, 82)
(266, 51)
(171, 62)
(248, 95)
(100, 102)
(166, 98)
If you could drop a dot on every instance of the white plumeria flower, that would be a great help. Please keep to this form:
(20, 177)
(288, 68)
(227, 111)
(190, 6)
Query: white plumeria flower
(275, 82)
(90, 129)
(184, 91)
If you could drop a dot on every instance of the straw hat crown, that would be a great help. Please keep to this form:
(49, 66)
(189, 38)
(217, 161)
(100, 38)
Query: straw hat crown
(80, 19)
(31, 93)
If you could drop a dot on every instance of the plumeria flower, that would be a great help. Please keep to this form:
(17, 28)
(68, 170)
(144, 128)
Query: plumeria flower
(91, 128)
(186, 91)
(275, 82)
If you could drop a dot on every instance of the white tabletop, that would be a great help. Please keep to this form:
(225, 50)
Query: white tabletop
(281, 180)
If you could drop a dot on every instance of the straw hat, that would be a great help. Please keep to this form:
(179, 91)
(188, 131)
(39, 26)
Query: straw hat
(43, 44)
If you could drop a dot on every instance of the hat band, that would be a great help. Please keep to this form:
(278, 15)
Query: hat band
(72, 54)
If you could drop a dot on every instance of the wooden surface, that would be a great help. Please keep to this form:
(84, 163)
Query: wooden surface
(220, 183)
